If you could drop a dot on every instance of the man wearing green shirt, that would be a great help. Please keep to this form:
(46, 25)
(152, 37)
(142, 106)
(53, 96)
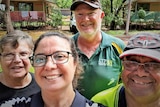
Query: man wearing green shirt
(98, 51)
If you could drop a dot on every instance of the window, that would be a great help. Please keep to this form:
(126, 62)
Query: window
(25, 6)
(144, 6)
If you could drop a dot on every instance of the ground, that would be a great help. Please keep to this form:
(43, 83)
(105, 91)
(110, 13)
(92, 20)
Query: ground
(64, 29)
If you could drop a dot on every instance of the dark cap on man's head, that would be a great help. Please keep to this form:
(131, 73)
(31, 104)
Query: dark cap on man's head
(143, 44)
(93, 3)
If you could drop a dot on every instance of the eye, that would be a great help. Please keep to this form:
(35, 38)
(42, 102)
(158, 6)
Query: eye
(59, 57)
(91, 14)
(8, 55)
(40, 59)
(24, 54)
(153, 66)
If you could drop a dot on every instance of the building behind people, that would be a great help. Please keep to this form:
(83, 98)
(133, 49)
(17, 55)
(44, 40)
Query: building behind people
(140, 76)
(98, 51)
(57, 70)
(16, 82)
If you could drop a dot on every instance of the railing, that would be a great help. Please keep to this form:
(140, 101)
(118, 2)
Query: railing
(151, 20)
(27, 16)
(27, 19)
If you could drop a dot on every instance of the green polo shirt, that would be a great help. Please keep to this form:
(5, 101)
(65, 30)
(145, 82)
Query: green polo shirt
(102, 70)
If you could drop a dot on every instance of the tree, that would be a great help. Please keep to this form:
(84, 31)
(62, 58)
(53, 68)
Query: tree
(113, 10)
(7, 18)
(128, 17)
(116, 13)
(63, 3)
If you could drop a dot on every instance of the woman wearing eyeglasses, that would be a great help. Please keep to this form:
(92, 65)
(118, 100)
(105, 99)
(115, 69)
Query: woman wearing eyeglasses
(140, 76)
(57, 70)
(17, 84)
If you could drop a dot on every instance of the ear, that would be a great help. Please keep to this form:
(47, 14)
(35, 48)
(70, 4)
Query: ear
(102, 14)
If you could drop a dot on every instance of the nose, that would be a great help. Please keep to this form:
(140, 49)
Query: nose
(17, 57)
(85, 17)
(141, 72)
(50, 64)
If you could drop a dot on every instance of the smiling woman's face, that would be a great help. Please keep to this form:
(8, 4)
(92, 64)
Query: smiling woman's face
(53, 76)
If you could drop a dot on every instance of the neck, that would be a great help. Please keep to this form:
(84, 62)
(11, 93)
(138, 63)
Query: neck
(142, 102)
(58, 99)
(89, 45)
(92, 38)
(19, 82)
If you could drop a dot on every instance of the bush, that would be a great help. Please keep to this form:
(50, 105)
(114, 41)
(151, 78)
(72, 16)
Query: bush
(141, 14)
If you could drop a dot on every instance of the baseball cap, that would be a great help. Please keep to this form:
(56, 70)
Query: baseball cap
(93, 3)
(143, 44)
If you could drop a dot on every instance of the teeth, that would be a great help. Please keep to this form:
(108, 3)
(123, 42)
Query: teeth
(137, 82)
(17, 67)
(52, 77)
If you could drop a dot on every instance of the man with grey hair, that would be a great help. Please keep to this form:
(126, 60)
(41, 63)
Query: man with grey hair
(99, 52)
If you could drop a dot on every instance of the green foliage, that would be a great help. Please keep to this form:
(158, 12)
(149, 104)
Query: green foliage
(141, 13)
(119, 21)
(55, 18)
(16, 25)
(112, 13)
(108, 18)
(63, 3)
(145, 16)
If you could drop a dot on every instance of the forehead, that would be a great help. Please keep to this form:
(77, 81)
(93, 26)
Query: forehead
(53, 42)
(22, 45)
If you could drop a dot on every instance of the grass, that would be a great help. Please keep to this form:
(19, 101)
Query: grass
(36, 33)
(131, 32)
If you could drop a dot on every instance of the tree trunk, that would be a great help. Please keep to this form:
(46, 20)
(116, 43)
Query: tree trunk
(128, 17)
(7, 18)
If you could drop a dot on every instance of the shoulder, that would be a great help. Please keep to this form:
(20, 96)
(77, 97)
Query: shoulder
(33, 79)
(37, 100)
(110, 39)
(90, 103)
(81, 101)
(32, 86)
(107, 96)
(74, 37)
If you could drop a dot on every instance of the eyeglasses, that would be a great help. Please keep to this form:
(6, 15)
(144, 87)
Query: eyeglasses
(149, 66)
(59, 57)
(11, 56)
(82, 15)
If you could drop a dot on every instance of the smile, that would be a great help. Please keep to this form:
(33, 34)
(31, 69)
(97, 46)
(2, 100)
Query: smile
(141, 83)
(53, 77)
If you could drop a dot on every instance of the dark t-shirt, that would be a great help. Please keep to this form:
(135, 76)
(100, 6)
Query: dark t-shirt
(79, 101)
(37, 101)
(10, 96)
(122, 98)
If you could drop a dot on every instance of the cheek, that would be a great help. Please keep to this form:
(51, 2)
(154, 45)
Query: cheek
(156, 77)
(124, 76)
(6, 64)
(70, 69)
(37, 73)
